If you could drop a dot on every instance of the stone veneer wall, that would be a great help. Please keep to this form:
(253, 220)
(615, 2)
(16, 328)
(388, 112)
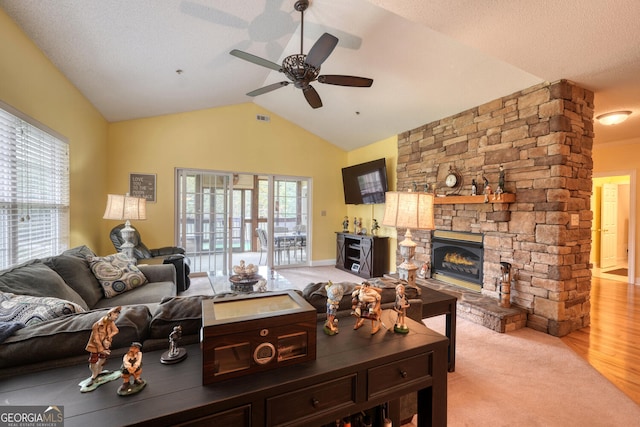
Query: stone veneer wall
(543, 137)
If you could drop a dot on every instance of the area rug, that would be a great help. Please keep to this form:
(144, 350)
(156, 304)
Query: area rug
(618, 271)
(528, 378)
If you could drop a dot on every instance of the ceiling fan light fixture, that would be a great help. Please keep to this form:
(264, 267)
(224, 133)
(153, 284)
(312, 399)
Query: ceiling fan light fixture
(613, 118)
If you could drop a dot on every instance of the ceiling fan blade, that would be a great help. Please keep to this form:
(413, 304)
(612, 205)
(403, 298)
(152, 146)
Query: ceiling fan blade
(256, 60)
(334, 79)
(267, 88)
(321, 50)
(312, 97)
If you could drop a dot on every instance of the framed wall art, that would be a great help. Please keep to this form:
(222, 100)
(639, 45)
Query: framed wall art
(143, 185)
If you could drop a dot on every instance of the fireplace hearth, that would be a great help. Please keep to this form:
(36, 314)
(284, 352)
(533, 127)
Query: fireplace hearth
(457, 258)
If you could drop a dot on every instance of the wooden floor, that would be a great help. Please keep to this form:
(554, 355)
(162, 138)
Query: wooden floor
(612, 343)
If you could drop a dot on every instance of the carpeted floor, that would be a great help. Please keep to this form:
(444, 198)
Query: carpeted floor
(618, 271)
(523, 378)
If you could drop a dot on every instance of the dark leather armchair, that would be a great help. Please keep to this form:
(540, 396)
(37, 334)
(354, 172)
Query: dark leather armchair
(168, 255)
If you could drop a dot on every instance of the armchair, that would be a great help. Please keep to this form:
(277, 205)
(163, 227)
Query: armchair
(167, 255)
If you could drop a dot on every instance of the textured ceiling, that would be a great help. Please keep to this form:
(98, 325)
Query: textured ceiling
(429, 58)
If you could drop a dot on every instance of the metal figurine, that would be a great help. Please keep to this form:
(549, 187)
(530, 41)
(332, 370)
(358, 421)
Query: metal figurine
(175, 354)
(487, 189)
(474, 187)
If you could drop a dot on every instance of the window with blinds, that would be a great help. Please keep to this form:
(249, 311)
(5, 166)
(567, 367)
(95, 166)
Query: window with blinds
(34, 190)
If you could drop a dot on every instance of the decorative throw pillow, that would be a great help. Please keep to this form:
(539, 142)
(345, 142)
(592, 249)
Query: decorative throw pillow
(116, 273)
(30, 310)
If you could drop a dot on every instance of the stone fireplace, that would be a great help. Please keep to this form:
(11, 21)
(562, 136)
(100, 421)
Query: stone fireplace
(457, 258)
(542, 137)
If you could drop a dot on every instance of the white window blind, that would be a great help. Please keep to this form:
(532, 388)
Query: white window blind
(34, 191)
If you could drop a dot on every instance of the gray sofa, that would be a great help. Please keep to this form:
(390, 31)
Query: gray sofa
(60, 340)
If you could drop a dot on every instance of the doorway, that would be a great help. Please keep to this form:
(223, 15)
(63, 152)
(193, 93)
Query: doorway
(218, 215)
(613, 227)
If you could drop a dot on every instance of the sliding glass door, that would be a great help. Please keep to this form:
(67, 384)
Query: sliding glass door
(219, 215)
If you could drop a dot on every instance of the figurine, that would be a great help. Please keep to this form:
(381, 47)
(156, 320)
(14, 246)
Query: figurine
(425, 271)
(175, 354)
(356, 225)
(375, 227)
(474, 187)
(345, 225)
(99, 347)
(400, 307)
(487, 189)
(500, 189)
(366, 305)
(335, 291)
(132, 367)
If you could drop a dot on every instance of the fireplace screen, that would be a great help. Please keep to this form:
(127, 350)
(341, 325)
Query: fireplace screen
(457, 258)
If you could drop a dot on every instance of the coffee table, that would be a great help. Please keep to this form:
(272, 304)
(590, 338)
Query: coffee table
(221, 284)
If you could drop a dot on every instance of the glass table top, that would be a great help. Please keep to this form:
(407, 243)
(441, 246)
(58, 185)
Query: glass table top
(271, 281)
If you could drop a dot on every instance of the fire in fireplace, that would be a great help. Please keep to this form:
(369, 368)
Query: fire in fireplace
(457, 258)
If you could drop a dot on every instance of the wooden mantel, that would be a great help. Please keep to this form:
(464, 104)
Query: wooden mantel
(451, 200)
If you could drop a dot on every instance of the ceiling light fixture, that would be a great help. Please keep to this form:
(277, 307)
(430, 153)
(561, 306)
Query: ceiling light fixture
(613, 118)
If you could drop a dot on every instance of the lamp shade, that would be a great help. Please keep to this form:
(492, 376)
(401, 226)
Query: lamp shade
(411, 210)
(122, 207)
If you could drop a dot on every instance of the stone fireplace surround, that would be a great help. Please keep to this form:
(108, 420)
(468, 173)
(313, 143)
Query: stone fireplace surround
(543, 137)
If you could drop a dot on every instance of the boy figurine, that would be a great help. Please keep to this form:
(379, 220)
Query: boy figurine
(335, 291)
(400, 307)
(99, 347)
(132, 367)
(366, 305)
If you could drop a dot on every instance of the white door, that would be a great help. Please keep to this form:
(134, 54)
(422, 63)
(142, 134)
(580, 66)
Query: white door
(609, 225)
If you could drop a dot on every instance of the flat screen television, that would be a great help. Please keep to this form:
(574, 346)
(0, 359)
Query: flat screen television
(366, 183)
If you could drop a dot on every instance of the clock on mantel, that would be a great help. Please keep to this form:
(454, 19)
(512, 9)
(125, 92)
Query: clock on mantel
(453, 180)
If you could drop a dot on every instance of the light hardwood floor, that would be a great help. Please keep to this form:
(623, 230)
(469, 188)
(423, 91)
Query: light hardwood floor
(611, 344)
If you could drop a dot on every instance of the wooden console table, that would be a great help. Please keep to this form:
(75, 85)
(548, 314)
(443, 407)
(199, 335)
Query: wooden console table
(353, 371)
(436, 303)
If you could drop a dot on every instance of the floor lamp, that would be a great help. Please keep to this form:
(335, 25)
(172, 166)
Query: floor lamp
(410, 210)
(125, 207)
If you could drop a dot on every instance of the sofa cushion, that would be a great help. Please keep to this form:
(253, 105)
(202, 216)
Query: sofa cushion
(30, 310)
(116, 273)
(36, 279)
(79, 252)
(149, 294)
(76, 273)
(67, 336)
(183, 311)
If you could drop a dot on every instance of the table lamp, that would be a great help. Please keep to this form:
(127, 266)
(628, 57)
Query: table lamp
(410, 210)
(125, 207)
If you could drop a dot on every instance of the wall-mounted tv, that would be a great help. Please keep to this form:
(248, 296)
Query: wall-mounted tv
(366, 183)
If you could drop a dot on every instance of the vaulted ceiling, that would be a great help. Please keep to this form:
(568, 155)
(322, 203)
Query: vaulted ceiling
(429, 58)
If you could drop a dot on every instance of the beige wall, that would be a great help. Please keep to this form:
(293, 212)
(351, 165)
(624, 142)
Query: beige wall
(32, 85)
(224, 139)
(623, 157)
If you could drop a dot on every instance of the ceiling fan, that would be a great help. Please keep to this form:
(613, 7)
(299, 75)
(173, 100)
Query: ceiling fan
(303, 69)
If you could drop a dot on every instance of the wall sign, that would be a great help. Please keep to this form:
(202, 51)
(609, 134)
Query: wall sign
(143, 185)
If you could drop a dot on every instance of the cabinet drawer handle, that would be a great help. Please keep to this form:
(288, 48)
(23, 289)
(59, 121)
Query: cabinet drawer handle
(315, 403)
(404, 374)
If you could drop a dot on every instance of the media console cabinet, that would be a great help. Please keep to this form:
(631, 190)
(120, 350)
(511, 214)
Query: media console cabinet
(353, 371)
(365, 256)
